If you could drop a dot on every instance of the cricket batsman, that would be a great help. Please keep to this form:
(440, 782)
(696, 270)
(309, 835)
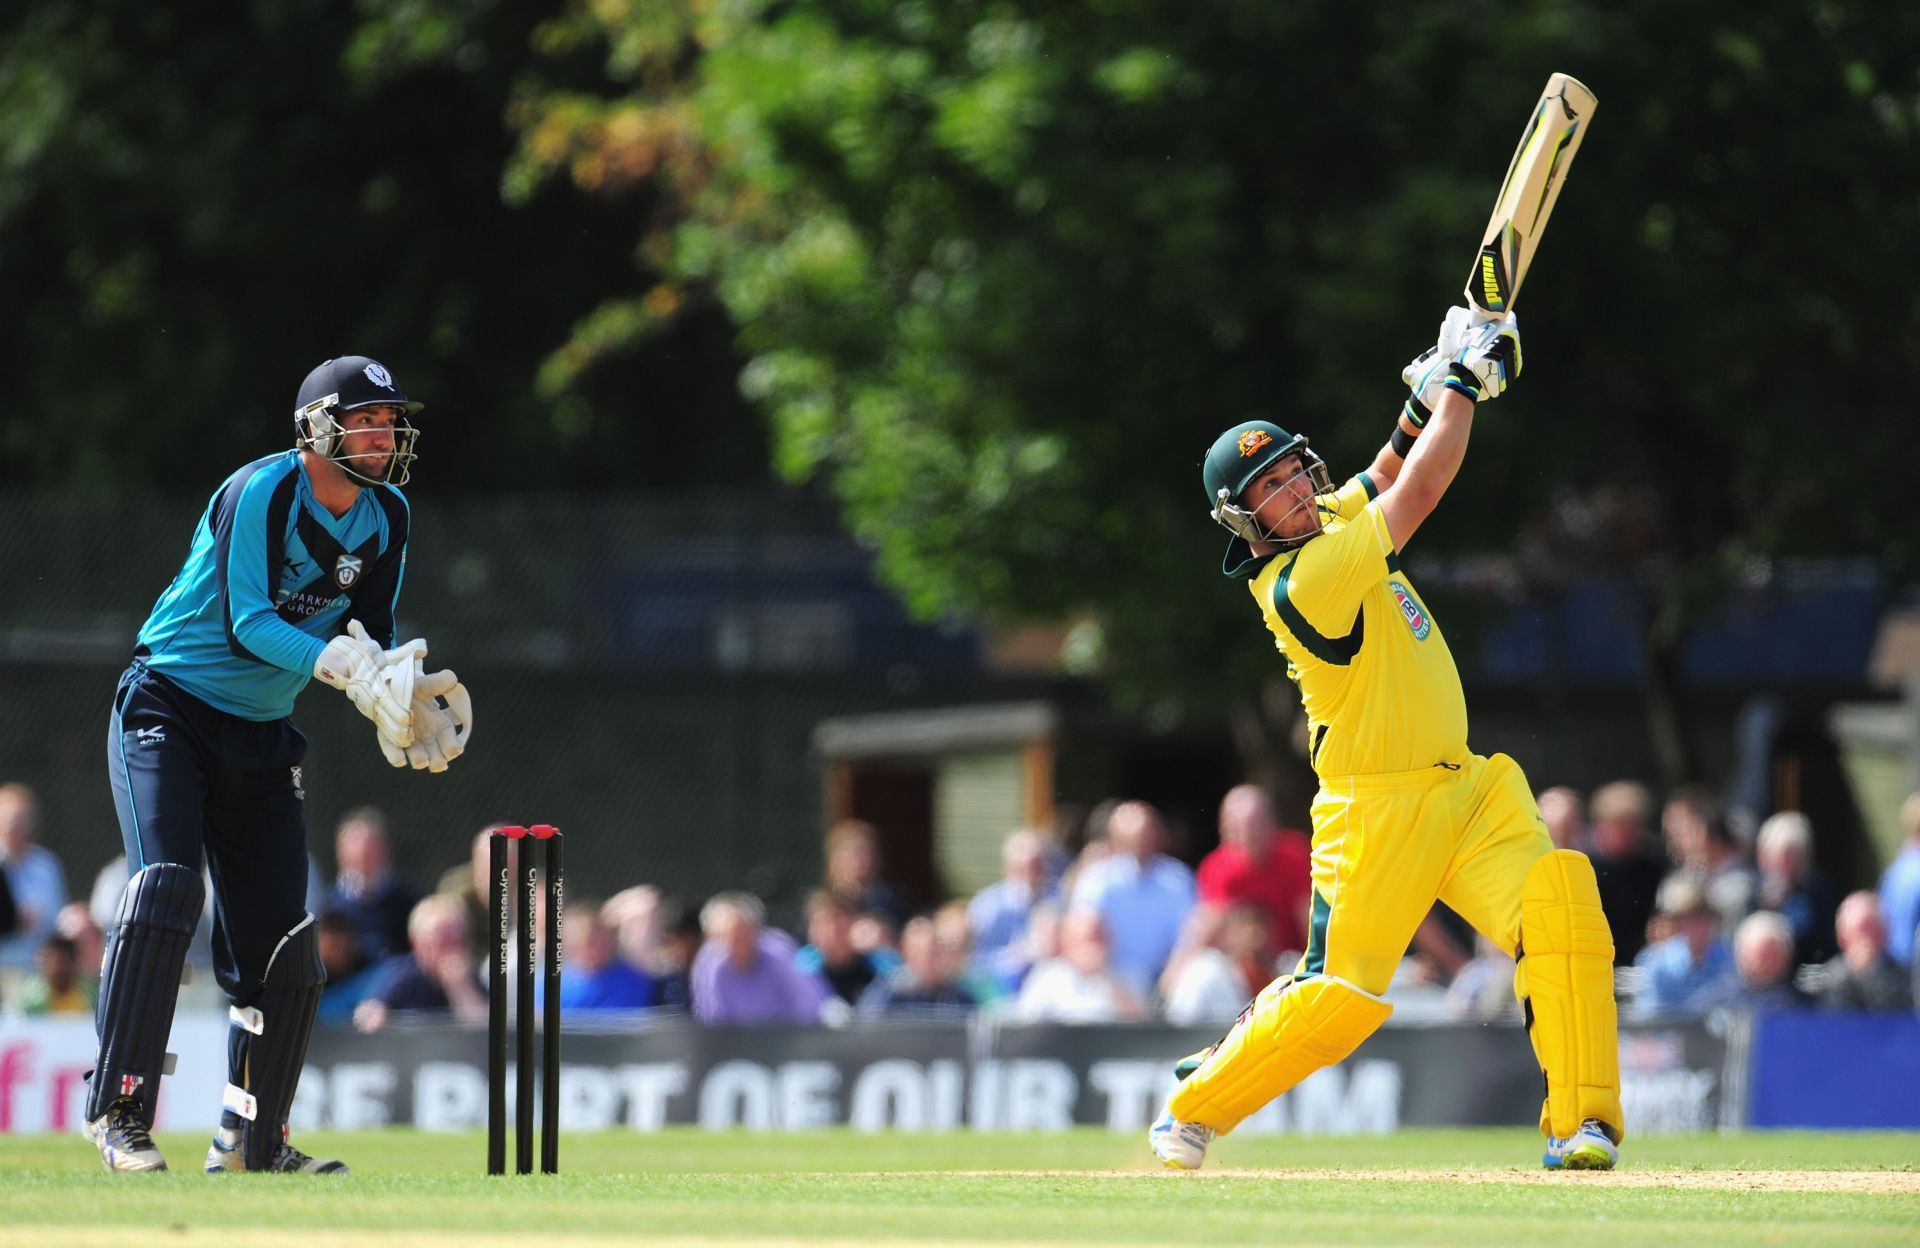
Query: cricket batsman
(1405, 813)
(294, 573)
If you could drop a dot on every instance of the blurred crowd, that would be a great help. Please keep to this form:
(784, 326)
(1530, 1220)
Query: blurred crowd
(1100, 924)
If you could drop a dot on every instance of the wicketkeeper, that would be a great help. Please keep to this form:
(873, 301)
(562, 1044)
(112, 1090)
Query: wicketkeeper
(1406, 813)
(294, 573)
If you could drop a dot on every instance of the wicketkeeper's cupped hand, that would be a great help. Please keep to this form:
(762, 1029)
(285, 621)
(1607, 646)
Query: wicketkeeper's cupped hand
(376, 681)
(443, 720)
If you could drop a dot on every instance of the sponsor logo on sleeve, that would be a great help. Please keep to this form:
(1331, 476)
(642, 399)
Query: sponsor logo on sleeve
(1417, 620)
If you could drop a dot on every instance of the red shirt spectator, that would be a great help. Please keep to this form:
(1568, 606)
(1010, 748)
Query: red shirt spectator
(1259, 861)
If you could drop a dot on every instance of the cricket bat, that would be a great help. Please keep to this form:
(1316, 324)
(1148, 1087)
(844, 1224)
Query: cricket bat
(1534, 177)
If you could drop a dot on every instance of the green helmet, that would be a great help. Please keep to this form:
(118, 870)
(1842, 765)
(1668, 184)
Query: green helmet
(1233, 461)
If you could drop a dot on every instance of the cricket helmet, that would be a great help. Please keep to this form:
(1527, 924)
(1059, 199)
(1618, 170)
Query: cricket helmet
(1238, 456)
(339, 386)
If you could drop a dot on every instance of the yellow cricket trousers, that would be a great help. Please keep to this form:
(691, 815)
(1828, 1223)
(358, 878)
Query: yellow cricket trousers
(1386, 845)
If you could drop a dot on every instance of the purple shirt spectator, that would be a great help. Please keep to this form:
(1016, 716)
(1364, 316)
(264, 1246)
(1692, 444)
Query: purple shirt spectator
(745, 973)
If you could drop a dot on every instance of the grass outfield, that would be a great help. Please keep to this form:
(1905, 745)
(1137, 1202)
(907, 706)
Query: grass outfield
(683, 1187)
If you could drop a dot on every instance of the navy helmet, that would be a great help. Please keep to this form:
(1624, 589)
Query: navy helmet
(337, 387)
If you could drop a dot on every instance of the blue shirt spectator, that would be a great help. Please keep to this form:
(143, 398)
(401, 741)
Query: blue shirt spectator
(594, 977)
(1900, 888)
(997, 916)
(925, 985)
(830, 952)
(34, 876)
(366, 889)
(1687, 972)
(438, 973)
(1142, 896)
(351, 975)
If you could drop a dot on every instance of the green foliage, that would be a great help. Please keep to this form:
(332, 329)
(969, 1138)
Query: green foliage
(201, 200)
(1002, 269)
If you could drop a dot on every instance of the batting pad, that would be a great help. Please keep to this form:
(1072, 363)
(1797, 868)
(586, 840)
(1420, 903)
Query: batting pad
(139, 983)
(267, 1045)
(1565, 985)
(1293, 1028)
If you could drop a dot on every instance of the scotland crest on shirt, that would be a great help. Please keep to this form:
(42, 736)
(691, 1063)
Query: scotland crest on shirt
(346, 571)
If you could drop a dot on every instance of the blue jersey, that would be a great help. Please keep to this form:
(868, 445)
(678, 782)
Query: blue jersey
(271, 577)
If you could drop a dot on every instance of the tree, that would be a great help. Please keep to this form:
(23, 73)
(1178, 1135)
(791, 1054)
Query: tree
(199, 201)
(1001, 269)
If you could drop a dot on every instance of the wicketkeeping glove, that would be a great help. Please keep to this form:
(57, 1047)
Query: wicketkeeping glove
(381, 688)
(443, 721)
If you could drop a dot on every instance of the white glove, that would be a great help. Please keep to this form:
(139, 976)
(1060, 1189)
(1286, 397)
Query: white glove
(443, 721)
(1489, 350)
(1426, 374)
(382, 689)
(1492, 355)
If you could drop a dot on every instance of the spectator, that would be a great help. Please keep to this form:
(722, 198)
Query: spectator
(924, 985)
(1681, 975)
(1222, 975)
(1078, 986)
(855, 869)
(366, 889)
(997, 915)
(1793, 888)
(1863, 977)
(1627, 869)
(351, 974)
(1090, 847)
(1261, 862)
(1763, 957)
(75, 922)
(875, 932)
(1010, 970)
(1442, 946)
(675, 946)
(34, 876)
(1704, 853)
(1900, 889)
(56, 986)
(633, 915)
(1483, 989)
(745, 972)
(1560, 810)
(436, 973)
(953, 929)
(469, 883)
(594, 976)
(1141, 895)
(829, 952)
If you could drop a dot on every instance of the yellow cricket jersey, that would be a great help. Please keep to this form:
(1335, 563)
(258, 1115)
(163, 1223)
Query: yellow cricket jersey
(1377, 680)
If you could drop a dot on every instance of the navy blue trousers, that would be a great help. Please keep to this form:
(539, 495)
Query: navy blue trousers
(193, 784)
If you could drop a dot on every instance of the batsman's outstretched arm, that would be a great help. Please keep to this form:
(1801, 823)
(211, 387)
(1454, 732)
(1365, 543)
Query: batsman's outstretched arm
(1429, 469)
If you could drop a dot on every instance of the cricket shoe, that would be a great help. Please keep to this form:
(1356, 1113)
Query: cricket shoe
(124, 1141)
(224, 1157)
(1180, 1145)
(1589, 1148)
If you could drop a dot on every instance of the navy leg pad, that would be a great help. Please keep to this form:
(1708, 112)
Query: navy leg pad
(268, 1043)
(140, 983)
